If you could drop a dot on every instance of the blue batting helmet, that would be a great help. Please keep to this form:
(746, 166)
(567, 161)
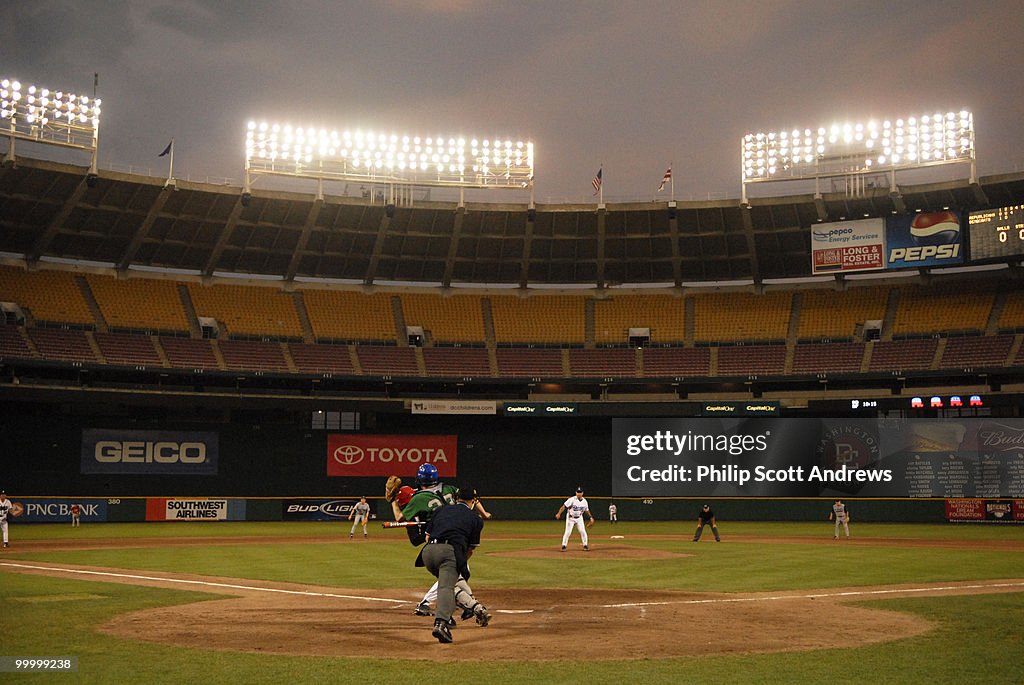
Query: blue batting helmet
(427, 474)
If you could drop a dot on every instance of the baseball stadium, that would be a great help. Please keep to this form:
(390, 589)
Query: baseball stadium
(215, 374)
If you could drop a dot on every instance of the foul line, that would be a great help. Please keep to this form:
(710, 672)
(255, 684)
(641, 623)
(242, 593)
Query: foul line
(183, 581)
(716, 600)
(848, 593)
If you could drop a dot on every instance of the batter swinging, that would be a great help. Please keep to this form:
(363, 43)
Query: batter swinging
(575, 507)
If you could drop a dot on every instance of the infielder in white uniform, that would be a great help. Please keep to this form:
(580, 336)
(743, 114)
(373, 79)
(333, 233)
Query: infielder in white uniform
(362, 514)
(5, 508)
(841, 516)
(575, 508)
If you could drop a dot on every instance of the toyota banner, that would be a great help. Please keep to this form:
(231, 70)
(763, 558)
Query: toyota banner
(385, 455)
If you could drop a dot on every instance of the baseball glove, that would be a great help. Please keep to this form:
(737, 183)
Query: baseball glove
(391, 487)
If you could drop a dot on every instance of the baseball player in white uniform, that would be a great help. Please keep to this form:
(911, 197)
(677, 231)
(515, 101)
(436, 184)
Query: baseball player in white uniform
(5, 508)
(362, 513)
(613, 513)
(576, 508)
(841, 516)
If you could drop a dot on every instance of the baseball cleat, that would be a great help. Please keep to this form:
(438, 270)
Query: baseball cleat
(585, 548)
(563, 548)
(467, 614)
(423, 609)
(441, 631)
(483, 617)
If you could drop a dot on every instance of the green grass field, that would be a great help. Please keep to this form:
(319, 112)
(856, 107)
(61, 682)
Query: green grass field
(974, 639)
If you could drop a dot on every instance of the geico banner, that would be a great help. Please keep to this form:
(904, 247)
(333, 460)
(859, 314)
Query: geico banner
(385, 455)
(56, 510)
(188, 509)
(789, 457)
(317, 509)
(925, 239)
(144, 452)
(848, 246)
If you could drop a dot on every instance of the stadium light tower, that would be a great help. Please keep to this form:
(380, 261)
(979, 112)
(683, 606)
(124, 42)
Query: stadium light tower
(858, 149)
(48, 116)
(386, 158)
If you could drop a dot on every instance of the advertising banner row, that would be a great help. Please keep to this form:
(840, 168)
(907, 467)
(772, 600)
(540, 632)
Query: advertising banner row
(925, 239)
(991, 510)
(791, 457)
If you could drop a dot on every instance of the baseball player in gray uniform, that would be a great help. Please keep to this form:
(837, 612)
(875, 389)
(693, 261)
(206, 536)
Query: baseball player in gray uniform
(841, 516)
(5, 508)
(362, 513)
(576, 508)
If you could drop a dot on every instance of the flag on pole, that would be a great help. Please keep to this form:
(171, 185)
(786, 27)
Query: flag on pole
(167, 150)
(597, 181)
(665, 179)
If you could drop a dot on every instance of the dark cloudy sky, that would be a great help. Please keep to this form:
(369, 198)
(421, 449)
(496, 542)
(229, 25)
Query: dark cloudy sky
(630, 85)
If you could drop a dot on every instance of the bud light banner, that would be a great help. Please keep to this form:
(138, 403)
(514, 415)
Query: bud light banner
(796, 457)
(317, 509)
(148, 453)
(925, 239)
(385, 455)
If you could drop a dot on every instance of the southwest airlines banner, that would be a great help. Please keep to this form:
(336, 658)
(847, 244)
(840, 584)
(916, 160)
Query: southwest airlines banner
(149, 453)
(386, 455)
(925, 239)
(790, 457)
(848, 246)
(194, 509)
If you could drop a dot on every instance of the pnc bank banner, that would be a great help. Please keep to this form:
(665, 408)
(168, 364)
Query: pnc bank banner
(143, 452)
(57, 510)
(385, 455)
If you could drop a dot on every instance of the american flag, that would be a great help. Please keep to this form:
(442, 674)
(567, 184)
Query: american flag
(597, 181)
(665, 179)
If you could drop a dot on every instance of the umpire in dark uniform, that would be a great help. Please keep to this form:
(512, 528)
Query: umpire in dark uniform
(453, 533)
(705, 517)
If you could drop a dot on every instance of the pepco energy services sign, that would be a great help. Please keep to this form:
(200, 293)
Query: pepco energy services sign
(385, 455)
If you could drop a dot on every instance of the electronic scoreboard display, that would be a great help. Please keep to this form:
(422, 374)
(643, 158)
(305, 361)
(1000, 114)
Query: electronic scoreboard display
(996, 233)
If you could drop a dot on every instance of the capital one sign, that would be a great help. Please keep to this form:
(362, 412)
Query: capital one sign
(385, 455)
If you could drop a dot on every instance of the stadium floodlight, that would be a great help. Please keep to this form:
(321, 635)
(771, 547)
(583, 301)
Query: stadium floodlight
(49, 116)
(368, 156)
(852, 149)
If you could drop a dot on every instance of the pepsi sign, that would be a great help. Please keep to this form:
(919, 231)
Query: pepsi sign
(924, 239)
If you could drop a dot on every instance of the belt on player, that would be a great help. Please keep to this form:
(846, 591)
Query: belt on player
(435, 541)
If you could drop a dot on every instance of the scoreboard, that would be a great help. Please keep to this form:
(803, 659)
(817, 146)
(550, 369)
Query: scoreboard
(996, 233)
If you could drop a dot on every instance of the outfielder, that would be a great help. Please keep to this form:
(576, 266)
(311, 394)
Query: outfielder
(5, 508)
(362, 513)
(76, 516)
(841, 516)
(575, 508)
(613, 513)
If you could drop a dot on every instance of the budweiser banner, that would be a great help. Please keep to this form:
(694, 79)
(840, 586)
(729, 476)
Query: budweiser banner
(385, 455)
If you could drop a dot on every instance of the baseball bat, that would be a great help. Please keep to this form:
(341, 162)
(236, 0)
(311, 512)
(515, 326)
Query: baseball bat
(399, 524)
